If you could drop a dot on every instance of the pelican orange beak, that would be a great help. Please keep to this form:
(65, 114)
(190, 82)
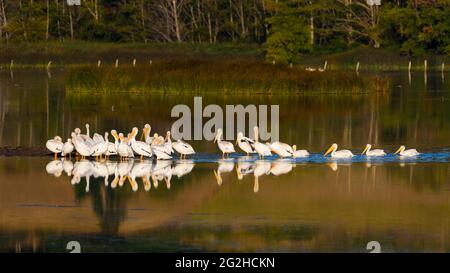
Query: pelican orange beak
(329, 150)
(399, 150)
(365, 149)
(215, 139)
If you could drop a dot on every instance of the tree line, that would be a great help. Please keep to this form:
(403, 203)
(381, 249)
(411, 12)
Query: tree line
(285, 27)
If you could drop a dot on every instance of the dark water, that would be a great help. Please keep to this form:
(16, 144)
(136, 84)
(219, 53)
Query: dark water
(203, 204)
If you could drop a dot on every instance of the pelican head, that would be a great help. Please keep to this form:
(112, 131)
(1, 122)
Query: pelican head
(167, 135)
(77, 131)
(401, 149)
(87, 125)
(368, 147)
(294, 147)
(57, 138)
(121, 137)
(114, 134)
(134, 132)
(69, 140)
(333, 148)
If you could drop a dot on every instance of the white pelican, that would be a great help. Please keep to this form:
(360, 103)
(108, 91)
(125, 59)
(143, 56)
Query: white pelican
(168, 144)
(55, 168)
(261, 168)
(98, 138)
(407, 153)
(246, 144)
(112, 146)
(299, 153)
(281, 149)
(55, 145)
(225, 146)
(122, 149)
(99, 148)
(225, 166)
(280, 167)
(67, 148)
(80, 146)
(338, 154)
(86, 138)
(147, 137)
(139, 147)
(182, 148)
(128, 142)
(160, 151)
(261, 148)
(375, 152)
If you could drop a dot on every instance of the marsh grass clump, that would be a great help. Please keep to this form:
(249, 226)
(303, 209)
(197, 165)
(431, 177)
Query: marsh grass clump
(221, 76)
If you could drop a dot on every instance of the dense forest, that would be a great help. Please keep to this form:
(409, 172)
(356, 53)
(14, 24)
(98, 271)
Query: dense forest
(284, 27)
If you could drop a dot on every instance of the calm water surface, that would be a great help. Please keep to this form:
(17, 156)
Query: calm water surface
(205, 204)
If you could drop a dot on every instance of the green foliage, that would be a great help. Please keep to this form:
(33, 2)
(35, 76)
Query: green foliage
(287, 28)
(289, 35)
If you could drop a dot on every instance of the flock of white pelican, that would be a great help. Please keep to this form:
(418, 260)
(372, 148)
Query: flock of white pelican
(161, 148)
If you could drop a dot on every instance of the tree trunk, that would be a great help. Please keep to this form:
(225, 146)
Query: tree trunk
(176, 20)
(47, 34)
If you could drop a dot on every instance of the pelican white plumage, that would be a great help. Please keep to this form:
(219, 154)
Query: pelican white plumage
(244, 168)
(182, 168)
(55, 145)
(122, 149)
(112, 146)
(376, 152)
(261, 168)
(87, 139)
(182, 148)
(81, 147)
(67, 148)
(147, 132)
(100, 169)
(261, 148)
(99, 148)
(139, 147)
(168, 144)
(68, 167)
(55, 168)
(299, 153)
(225, 166)
(225, 146)
(246, 144)
(160, 151)
(338, 154)
(162, 171)
(281, 149)
(280, 167)
(407, 153)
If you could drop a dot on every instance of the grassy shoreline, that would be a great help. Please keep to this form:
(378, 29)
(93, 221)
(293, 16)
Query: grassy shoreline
(85, 54)
(230, 76)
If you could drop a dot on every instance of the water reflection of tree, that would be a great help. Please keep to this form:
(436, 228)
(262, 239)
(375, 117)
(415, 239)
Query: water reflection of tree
(108, 204)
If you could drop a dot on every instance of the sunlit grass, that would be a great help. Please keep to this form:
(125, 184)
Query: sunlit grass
(224, 76)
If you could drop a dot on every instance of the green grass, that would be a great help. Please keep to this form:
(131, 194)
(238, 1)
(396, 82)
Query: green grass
(82, 53)
(244, 76)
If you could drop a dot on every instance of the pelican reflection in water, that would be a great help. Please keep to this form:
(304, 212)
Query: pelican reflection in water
(121, 172)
